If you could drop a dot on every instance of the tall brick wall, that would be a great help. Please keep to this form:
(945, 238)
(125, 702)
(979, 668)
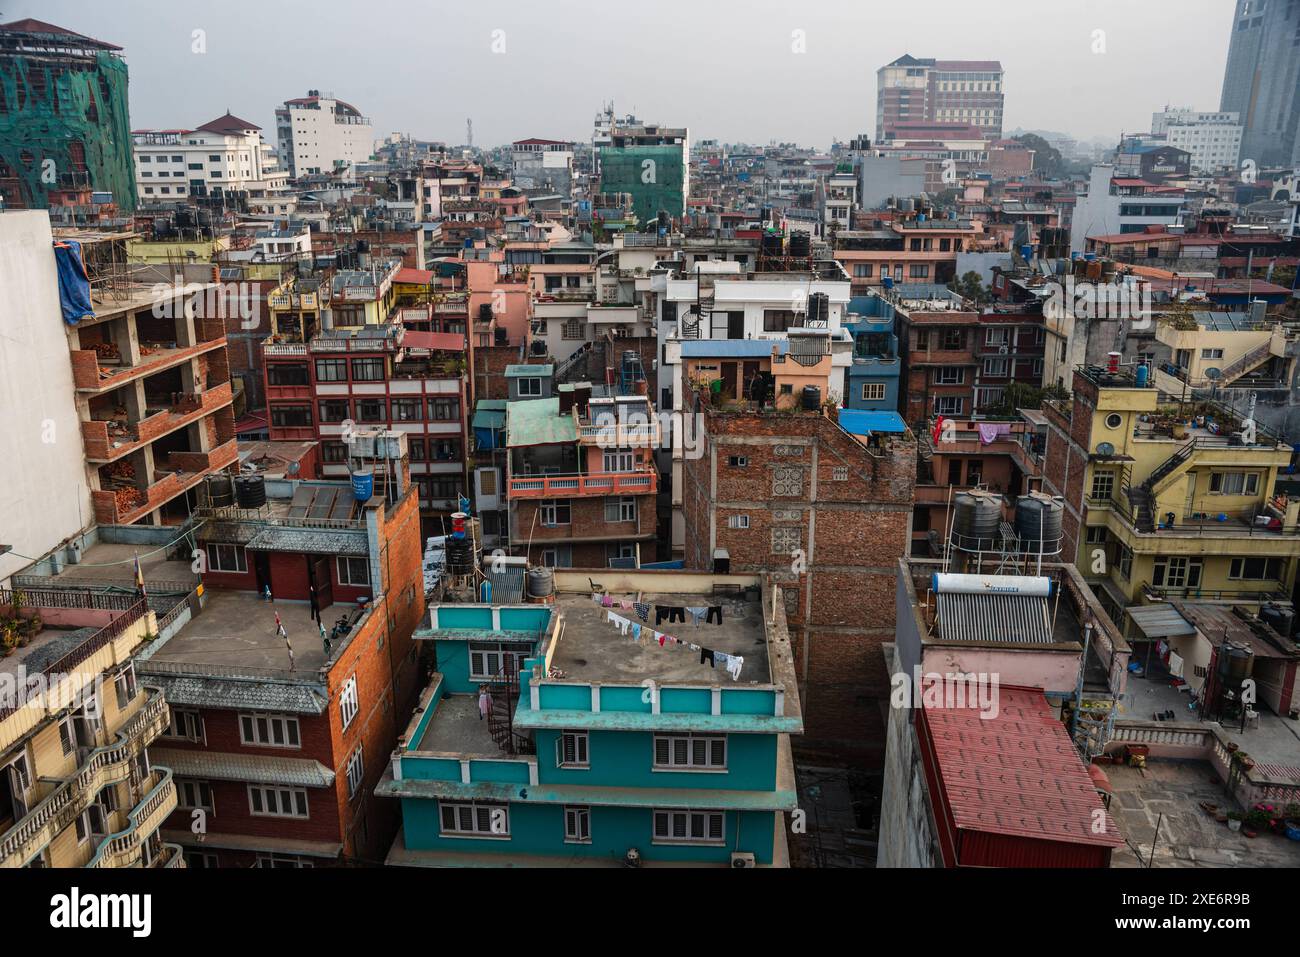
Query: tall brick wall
(849, 515)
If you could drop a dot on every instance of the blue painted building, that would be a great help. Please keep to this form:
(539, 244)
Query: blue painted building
(874, 374)
(597, 749)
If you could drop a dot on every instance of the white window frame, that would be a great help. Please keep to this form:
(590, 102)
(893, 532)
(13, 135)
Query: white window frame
(552, 506)
(356, 773)
(618, 460)
(343, 568)
(738, 521)
(501, 652)
(623, 509)
(950, 375)
(479, 826)
(530, 387)
(235, 560)
(670, 818)
(125, 685)
(250, 732)
(273, 796)
(577, 824)
(951, 405)
(873, 391)
(186, 725)
(189, 794)
(996, 367)
(348, 703)
(581, 750)
(689, 752)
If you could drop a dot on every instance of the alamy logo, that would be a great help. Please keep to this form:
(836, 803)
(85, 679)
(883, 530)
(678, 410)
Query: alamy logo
(76, 910)
(1100, 300)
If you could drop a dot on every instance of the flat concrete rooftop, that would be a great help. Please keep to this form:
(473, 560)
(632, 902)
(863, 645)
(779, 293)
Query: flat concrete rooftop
(112, 563)
(457, 728)
(592, 649)
(237, 630)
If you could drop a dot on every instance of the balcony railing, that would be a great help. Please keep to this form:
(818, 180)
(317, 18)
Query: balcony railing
(641, 482)
(107, 765)
(123, 848)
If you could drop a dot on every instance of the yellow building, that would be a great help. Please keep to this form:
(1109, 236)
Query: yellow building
(1169, 502)
(76, 785)
(162, 252)
(1219, 348)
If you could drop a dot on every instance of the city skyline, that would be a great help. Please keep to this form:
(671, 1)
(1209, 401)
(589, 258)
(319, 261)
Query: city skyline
(1047, 63)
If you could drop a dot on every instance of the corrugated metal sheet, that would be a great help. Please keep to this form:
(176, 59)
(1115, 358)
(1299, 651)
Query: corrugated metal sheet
(1159, 621)
(1023, 619)
(257, 695)
(309, 541)
(256, 769)
(1012, 775)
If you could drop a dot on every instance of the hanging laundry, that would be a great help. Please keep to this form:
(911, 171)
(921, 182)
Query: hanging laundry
(660, 636)
(676, 614)
(626, 603)
(706, 655)
(642, 610)
(636, 632)
(606, 601)
(697, 615)
(734, 664)
(661, 612)
(715, 610)
(595, 596)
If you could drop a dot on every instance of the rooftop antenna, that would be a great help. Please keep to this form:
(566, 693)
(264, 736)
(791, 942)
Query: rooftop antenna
(469, 132)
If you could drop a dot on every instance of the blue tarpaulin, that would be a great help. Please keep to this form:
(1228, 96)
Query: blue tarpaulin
(74, 284)
(863, 421)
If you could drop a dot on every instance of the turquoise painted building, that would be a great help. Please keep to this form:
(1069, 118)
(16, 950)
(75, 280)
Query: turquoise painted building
(873, 377)
(602, 750)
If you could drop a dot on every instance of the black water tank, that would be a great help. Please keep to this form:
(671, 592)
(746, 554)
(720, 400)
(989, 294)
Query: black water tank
(250, 491)
(800, 245)
(812, 398)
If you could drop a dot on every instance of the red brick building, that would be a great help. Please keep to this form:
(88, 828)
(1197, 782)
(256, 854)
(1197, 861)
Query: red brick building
(828, 513)
(276, 752)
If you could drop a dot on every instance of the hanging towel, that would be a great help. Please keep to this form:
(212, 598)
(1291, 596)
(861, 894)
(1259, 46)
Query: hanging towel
(734, 664)
(642, 610)
(697, 615)
(715, 610)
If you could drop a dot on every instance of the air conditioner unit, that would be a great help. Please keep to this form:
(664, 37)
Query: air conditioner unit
(742, 859)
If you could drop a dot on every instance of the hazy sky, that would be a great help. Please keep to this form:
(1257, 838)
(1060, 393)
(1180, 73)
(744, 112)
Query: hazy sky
(724, 68)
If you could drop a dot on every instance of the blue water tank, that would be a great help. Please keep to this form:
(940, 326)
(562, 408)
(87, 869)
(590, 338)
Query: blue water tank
(1142, 375)
(887, 282)
(1090, 257)
(1026, 252)
(363, 485)
(485, 593)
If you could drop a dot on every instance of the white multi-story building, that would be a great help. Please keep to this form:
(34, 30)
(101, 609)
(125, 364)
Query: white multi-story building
(1117, 205)
(542, 164)
(318, 134)
(1212, 139)
(226, 155)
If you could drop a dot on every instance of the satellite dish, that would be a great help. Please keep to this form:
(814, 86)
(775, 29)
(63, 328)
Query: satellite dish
(1212, 373)
(1105, 448)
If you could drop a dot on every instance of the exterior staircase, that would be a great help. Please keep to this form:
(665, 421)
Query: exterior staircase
(504, 689)
(1250, 361)
(1141, 503)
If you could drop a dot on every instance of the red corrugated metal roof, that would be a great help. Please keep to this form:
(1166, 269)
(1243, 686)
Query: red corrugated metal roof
(1017, 773)
(416, 277)
(449, 341)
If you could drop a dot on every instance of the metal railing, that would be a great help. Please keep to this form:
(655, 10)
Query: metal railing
(129, 839)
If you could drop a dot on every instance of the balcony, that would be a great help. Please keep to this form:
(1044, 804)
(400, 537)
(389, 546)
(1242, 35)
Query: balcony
(128, 505)
(124, 849)
(89, 376)
(189, 408)
(639, 482)
(107, 765)
(621, 435)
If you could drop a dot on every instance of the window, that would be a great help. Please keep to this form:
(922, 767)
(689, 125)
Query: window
(620, 509)
(185, 725)
(348, 701)
(1211, 353)
(1125, 561)
(202, 859)
(476, 818)
(291, 416)
(269, 730)
(334, 452)
(415, 448)
(954, 339)
(282, 862)
(787, 480)
(406, 410)
(618, 461)
(487, 659)
(1096, 535)
(356, 774)
(370, 410)
(530, 387)
(974, 471)
(923, 340)
(124, 685)
(571, 750)
(281, 373)
(444, 410)
(949, 376)
(226, 558)
(331, 370)
(1103, 484)
(353, 571)
(1234, 483)
(785, 540)
(873, 391)
(918, 272)
(699, 752)
(572, 329)
(949, 404)
(333, 410)
(368, 370)
(738, 521)
(556, 512)
(737, 461)
(192, 794)
(689, 827)
(862, 270)
(995, 368)
(779, 320)
(276, 802)
(840, 473)
(577, 825)
(1256, 569)
(1176, 572)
